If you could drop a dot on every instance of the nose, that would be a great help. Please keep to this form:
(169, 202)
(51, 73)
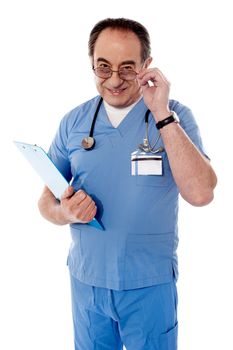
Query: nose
(115, 80)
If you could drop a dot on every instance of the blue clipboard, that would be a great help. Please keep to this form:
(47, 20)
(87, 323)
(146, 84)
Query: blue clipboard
(47, 170)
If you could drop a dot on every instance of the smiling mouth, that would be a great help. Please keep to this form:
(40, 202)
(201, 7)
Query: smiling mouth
(116, 91)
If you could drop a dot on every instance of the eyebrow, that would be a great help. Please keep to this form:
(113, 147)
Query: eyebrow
(101, 59)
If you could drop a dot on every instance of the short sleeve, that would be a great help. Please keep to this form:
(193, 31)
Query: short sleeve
(189, 124)
(58, 150)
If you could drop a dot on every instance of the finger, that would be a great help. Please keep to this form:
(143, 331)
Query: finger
(90, 214)
(87, 204)
(154, 75)
(93, 213)
(68, 193)
(162, 77)
(81, 205)
(79, 197)
(145, 71)
(85, 214)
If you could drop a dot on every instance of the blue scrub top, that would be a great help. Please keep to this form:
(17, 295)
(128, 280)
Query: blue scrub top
(139, 213)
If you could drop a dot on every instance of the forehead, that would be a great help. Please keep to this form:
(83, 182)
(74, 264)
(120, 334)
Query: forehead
(117, 46)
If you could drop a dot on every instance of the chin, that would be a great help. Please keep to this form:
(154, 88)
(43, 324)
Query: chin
(119, 101)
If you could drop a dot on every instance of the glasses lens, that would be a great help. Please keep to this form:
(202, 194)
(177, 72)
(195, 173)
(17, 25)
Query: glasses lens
(103, 72)
(124, 73)
(127, 74)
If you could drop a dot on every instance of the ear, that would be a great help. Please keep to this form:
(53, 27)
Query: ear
(147, 62)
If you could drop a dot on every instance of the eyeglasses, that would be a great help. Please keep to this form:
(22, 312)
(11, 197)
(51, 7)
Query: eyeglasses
(124, 73)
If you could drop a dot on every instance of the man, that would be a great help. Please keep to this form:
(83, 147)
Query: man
(123, 278)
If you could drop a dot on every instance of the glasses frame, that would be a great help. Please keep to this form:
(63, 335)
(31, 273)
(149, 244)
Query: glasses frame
(111, 71)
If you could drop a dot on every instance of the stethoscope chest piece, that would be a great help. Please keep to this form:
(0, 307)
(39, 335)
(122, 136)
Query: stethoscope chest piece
(88, 143)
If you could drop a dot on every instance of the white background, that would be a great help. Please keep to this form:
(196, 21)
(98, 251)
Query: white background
(45, 72)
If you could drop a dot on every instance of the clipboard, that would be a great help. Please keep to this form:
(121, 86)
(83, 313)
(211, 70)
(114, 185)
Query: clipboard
(47, 170)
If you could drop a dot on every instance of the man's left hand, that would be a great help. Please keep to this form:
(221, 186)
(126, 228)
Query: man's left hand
(155, 89)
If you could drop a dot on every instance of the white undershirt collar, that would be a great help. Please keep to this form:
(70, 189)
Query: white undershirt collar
(116, 115)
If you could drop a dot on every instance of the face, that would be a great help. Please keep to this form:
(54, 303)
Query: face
(118, 49)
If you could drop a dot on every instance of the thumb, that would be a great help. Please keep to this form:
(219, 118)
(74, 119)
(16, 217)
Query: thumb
(68, 193)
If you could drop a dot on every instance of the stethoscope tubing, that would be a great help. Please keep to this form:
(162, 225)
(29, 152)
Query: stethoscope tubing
(88, 143)
(95, 117)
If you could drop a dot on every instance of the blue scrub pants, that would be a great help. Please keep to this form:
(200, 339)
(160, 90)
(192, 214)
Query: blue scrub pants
(141, 319)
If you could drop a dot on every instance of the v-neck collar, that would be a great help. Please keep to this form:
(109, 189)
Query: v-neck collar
(138, 111)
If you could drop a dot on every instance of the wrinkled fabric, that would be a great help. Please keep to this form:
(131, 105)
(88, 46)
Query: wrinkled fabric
(141, 319)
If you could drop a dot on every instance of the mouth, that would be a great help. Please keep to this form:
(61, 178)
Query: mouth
(116, 92)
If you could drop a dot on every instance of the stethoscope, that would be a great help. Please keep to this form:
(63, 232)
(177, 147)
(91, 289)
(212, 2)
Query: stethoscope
(88, 143)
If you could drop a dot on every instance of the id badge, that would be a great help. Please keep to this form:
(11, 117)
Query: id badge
(143, 163)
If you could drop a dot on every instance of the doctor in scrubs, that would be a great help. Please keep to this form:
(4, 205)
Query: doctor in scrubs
(130, 152)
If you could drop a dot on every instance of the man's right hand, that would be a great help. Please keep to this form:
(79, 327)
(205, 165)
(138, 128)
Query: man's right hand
(77, 207)
(74, 207)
